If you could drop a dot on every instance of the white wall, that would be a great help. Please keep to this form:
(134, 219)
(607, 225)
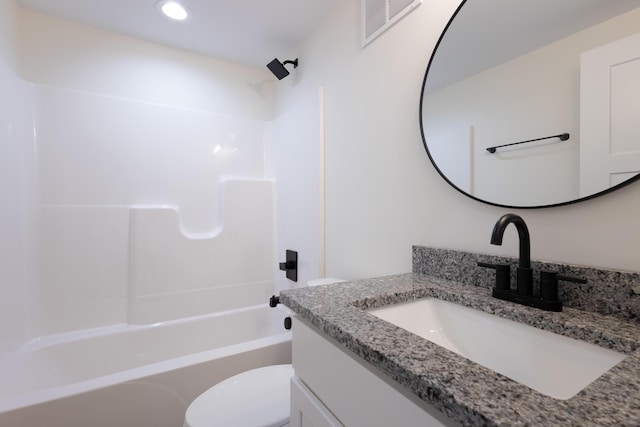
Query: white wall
(383, 195)
(296, 146)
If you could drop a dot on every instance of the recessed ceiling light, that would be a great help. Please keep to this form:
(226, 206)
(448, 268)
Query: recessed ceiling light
(173, 10)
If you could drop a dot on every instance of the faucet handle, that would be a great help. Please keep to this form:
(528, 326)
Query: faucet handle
(549, 284)
(503, 275)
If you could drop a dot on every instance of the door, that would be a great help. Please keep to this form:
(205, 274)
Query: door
(609, 112)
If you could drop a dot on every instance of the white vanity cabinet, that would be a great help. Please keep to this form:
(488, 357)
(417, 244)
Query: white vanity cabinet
(307, 410)
(332, 388)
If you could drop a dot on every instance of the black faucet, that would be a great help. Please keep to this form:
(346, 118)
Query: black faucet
(524, 275)
(548, 298)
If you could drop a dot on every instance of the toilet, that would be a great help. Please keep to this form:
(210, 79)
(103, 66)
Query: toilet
(256, 398)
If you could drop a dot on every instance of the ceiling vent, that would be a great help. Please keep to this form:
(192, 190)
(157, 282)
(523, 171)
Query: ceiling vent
(379, 15)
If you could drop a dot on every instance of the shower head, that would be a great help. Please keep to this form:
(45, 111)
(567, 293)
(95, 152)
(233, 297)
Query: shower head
(278, 68)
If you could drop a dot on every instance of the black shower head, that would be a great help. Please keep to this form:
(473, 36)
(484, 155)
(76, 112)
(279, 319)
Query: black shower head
(278, 68)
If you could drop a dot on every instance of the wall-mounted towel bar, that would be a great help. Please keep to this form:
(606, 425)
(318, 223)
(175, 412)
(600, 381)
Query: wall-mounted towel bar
(562, 136)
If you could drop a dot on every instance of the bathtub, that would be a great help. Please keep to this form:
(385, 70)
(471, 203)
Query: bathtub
(131, 375)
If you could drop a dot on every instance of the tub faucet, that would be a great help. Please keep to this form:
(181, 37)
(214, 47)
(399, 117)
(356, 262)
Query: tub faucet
(524, 276)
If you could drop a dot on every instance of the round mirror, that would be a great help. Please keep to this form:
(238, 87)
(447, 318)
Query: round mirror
(535, 103)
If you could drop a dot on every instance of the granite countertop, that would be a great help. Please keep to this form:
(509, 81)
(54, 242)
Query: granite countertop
(463, 390)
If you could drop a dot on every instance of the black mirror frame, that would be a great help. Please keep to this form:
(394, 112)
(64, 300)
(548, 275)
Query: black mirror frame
(424, 142)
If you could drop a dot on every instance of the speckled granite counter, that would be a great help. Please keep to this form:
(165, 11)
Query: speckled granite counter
(465, 391)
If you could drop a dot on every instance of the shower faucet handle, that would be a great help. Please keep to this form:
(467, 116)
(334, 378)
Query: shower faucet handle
(284, 266)
(290, 266)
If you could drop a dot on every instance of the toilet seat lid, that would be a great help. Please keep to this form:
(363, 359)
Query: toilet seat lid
(259, 397)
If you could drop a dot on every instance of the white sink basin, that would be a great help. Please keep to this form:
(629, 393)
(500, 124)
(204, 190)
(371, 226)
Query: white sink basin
(552, 364)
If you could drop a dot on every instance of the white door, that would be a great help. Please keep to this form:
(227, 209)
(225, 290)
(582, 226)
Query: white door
(609, 115)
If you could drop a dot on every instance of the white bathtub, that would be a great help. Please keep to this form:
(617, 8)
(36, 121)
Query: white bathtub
(135, 375)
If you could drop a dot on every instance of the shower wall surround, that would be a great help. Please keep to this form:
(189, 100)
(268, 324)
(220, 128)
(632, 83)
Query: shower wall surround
(17, 189)
(148, 212)
(174, 274)
(137, 180)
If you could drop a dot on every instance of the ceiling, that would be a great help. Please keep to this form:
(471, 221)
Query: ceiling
(250, 32)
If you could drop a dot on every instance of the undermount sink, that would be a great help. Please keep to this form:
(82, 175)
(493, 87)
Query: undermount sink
(552, 364)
